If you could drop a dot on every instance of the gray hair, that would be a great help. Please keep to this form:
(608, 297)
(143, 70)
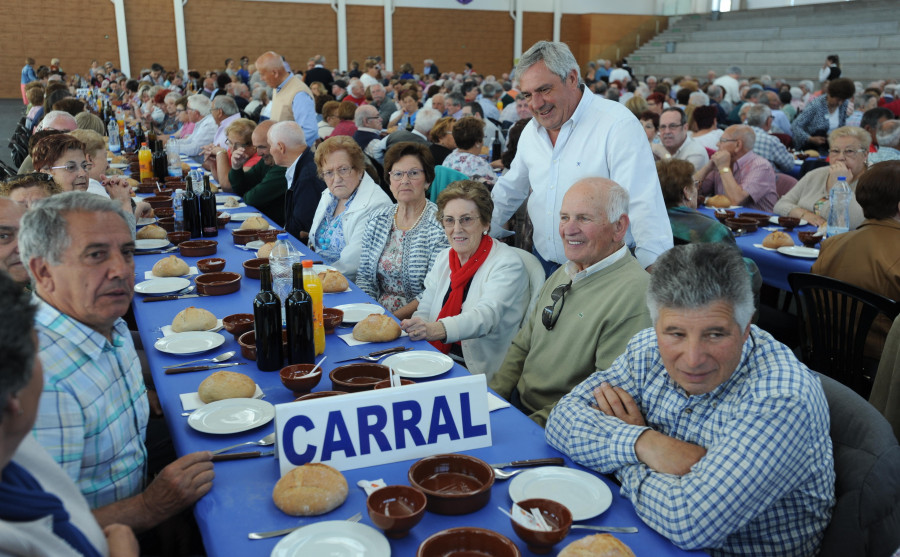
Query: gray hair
(226, 104)
(289, 132)
(18, 348)
(50, 119)
(745, 134)
(172, 97)
(888, 133)
(456, 99)
(693, 276)
(616, 202)
(758, 114)
(736, 70)
(426, 118)
(557, 57)
(808, 84)
(200, 103)
(489, 90)
(362, 113)
(44, 230)
(356, 85)
(698, 98)
(714, 92)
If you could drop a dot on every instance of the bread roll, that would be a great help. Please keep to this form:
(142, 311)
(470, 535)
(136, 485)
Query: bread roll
(333, 281)
(185, 167)
(170, 267)
(777, 239)
(255, 223)
(193, 319)
(132, 183)
(151, 232)
(310, 490)
(264, 251)
(232, 202)
(720, 201)
(376, 328)
(226, 384)
(598, 545)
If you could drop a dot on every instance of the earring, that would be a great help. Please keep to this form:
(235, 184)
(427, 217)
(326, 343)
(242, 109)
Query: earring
(484, 233)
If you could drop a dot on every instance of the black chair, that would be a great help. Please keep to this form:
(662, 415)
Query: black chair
(865, 521)
(835, 318)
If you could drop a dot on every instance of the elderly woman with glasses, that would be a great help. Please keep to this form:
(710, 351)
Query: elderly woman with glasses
(181, 114)
(478, 290)
(402, 241)
(62, 157)
(847, 157)
(339, 224)
(239, 135)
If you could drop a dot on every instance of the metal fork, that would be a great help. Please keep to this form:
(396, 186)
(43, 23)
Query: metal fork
(275, 533)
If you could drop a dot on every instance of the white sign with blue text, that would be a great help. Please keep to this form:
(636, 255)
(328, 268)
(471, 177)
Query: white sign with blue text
(388, 425)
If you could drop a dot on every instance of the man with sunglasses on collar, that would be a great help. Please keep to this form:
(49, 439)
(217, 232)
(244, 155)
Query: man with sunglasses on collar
(587, 310)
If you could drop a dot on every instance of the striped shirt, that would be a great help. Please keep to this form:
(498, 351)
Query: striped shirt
(93, 412)
(766, 484)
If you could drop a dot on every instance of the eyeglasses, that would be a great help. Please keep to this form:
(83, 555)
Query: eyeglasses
(413, 173)
(664, 127)
(179, 110)
(343, 172)
(846, 152)
(549, 316)
(229, 143)
(723, 140)
(465, 221)
(73, 167)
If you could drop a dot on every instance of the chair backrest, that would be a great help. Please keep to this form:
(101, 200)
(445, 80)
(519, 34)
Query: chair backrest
(536, 278)
(784, 183)
(835, 318)
(443, 177)
(865, 521)
(785, 140)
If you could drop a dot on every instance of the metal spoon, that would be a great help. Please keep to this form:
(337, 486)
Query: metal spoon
(264, 442)
(218, 359)
(504, 475)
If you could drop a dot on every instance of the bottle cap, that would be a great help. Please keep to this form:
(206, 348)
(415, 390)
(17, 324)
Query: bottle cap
(307, 264)
(283, 236)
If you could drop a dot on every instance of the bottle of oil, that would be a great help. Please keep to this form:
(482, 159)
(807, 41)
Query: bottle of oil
(145, 161)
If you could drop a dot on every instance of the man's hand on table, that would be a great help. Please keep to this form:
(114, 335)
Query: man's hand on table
(180, 484)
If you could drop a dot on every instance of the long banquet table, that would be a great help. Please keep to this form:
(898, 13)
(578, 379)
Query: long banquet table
(241, 498)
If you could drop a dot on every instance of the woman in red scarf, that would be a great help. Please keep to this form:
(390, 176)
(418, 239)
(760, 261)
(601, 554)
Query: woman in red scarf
(478, 290)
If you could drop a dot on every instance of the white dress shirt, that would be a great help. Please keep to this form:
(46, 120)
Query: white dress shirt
(220, 137)
(203, 134)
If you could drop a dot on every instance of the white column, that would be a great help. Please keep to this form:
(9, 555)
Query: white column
(122, 34)
(557, 18)
(517, 29)
(340, 8)
(180, 38)
(389, 35)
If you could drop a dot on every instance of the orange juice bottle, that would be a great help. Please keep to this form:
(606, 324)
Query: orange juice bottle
(313, 285)
(145, 160)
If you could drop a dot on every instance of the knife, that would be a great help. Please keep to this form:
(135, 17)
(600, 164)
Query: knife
(156, 251)
(555, 461)
(377, 354)
(174, 370)
(171, 297)
(240, 456)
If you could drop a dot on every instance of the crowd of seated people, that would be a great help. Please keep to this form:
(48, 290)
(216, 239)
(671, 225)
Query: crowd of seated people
(386, 176)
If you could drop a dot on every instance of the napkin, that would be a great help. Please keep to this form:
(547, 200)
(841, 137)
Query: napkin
(222, 206)
(370, 486)
(760, 246)
(348, 338)
(191, 401)
(496, 403)
(148, 275)
(167, 330)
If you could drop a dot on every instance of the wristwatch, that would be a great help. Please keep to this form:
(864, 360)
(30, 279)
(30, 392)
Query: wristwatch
(724, 170)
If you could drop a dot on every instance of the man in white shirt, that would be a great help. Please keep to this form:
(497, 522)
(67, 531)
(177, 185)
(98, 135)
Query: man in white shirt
(731, 84)
(224, 111)
(573, 135)
(674, 142)
(198, 107)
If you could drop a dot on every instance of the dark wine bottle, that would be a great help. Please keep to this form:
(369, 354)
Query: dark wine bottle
(267, 324)
(208, 226)
(160, 161)
(496, 147)
(298, 310)
(191, 206)
(139, 135)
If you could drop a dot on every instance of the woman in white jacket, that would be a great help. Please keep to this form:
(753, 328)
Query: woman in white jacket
(339, 224)
(477, 291)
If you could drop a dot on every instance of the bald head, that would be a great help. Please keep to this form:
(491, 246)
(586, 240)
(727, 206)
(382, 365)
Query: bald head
(271, 68)
(286, 142)
(593, 220)
(261, 141)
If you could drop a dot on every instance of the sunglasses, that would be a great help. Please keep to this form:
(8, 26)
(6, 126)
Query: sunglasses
(550, 316)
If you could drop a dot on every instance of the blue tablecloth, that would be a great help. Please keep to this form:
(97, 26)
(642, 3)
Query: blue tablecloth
(241, 498)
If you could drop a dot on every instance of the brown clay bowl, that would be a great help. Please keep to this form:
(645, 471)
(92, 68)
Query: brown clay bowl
(198, 248)
(747, 225)
(178, 237)
(222, 219)
(331, 318)
(268, 235)
(238, 323)
(164, 212)
(761, 219)
(211, 265)
(147, 187)
(722, 215)
(319, 394)
(555, 514)
(167, 224)
(789, 222)
(251, 267)
(453, 483)
(353, 378)
(467, 541)
(247, 342)
(300, 378)
(217, 284)
(387, 383)
(808, 238)
(159, 201)
(396, 509)
(243, 237)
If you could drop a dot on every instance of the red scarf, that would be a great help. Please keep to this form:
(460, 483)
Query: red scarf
(460, 275)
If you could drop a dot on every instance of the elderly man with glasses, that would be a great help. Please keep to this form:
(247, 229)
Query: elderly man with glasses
(674, 140)
(739, 173)
(587, 310)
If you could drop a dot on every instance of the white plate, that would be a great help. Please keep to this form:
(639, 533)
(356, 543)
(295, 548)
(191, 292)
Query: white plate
(232, 415)
(118, 165)
(586, 495)
(241, 217)
(354, 313)
(774, 220)
(192, 342)
(799, 251)
(167, 331)
(161, 286)
(146, 221)
(150, 244)
(335, 538)
(419, 364)
(255, 244)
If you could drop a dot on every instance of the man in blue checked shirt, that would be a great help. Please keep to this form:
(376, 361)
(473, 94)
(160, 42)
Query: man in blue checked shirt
(719, 436)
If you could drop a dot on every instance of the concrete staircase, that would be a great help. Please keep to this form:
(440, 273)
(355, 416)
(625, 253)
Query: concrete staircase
(787, 43)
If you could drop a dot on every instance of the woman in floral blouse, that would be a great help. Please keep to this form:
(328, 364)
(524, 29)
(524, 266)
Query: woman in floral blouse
(469, 136)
